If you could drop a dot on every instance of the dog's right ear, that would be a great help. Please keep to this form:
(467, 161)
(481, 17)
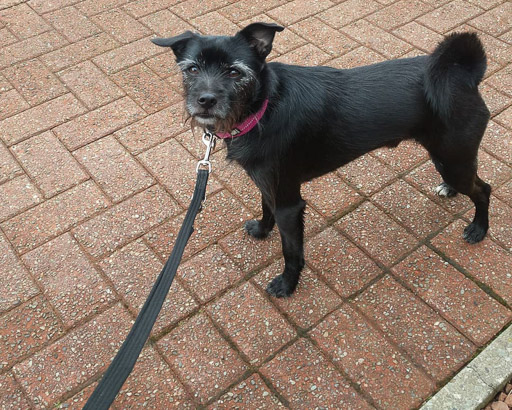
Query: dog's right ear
(260, 36)
(177, 43)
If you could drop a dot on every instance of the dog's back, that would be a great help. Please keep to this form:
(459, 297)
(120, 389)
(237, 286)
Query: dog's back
(320, 108)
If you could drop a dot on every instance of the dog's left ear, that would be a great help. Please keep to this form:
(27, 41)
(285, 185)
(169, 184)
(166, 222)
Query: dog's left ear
(260, 36)
(177, 43)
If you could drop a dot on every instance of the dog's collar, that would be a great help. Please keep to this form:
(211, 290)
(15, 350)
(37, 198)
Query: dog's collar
(244, 127)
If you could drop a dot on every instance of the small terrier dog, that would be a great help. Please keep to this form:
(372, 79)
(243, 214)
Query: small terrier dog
(287, 124)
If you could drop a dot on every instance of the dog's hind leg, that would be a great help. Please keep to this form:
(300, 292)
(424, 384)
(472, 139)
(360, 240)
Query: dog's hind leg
(260, 229)
(443, 189)
(480, 195)
(461, 177)
(290, 221)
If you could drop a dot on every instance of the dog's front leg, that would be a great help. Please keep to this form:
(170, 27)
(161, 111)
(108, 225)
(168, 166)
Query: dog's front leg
(260, 229)
(290, 221)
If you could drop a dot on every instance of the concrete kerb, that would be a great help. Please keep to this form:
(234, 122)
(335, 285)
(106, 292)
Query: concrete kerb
(475, 385)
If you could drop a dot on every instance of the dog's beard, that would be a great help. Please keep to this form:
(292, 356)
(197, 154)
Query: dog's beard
(214, 123)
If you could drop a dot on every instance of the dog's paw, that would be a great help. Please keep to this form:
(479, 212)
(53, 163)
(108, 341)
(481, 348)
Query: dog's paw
(280, 287)
(474, 233)
(445, 190)
(253, 228)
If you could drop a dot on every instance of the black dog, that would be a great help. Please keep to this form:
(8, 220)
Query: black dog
(313, 120)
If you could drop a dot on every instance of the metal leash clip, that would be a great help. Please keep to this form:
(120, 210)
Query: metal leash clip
(209, 140)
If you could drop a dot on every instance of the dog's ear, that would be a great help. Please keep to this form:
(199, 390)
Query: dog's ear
(177, 43)
(260, 36)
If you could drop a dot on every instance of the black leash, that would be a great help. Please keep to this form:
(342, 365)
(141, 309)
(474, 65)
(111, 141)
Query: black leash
(123, 363)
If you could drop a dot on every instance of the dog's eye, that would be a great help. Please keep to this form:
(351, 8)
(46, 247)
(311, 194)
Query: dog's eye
(234, 73)
(193, 69)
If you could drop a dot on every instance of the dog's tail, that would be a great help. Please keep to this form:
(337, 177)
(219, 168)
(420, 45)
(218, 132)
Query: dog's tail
(458, 61)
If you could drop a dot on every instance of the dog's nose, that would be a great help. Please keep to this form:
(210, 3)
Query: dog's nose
(207, 100)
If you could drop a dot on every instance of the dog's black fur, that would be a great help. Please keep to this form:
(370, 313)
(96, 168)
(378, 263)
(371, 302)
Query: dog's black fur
(320, 118)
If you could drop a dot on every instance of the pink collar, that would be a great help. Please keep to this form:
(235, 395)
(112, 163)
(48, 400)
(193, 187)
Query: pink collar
(244, 127)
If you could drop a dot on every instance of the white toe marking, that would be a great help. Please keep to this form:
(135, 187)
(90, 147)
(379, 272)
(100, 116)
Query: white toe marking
(442, 190)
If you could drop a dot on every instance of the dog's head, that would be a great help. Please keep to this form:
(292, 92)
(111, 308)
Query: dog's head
(221, 75)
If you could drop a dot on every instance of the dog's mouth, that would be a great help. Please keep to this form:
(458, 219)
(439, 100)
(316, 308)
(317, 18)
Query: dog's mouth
(204, 115)
(205, 118)
(213, 118)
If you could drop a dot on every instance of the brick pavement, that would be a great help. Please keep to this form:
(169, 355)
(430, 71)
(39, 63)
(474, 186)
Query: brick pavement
(96, 170)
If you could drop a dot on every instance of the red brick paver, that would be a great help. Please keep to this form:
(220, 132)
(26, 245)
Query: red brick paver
(90, 85)
(371, 361)
(203, 359)
(18, 285)
(97, 168)
(152, 385)
(73, 359)
(306, 378)
(257, 339)
(9, 168)
(68, 279)
(35, 81)
(49, 164)
(40, 325)
(412, 325)
(117, 172)
(310, 304)
(132, 271)
(40, 118)
(251, 393)
(452, 294)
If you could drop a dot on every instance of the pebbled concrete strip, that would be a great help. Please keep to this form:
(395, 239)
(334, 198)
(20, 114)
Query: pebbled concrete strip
(478, 382)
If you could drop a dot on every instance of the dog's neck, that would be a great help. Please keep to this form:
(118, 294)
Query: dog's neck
(245, 126)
